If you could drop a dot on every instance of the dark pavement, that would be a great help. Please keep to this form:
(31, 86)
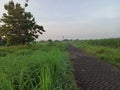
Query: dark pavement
(91, 73)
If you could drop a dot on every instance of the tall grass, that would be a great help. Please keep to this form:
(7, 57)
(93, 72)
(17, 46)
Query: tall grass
(36, 67)
(113, 42)
(108, 52)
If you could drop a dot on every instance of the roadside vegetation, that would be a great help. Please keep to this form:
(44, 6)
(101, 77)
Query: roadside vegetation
(40, 66)
(105, 49)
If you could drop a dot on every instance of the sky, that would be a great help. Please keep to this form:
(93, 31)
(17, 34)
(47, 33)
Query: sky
(75, 19)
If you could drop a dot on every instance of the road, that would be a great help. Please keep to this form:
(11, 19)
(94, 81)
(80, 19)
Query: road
(91, 73)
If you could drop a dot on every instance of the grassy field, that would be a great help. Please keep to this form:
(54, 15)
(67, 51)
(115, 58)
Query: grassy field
(105, 49)
(40, 66)
(113, 42)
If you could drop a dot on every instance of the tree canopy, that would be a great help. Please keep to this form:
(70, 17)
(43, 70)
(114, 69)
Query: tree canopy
(18, 26)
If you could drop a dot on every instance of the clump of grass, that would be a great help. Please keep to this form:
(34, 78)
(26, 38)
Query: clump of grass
(36, 67)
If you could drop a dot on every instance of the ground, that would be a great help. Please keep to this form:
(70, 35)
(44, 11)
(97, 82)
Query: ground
(91, 73)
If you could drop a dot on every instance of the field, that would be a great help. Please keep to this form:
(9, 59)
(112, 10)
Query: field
(47, 65)
(105, 49)
(40, 66)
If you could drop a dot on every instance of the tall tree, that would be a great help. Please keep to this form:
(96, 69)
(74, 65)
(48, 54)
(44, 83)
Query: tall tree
(18, 26)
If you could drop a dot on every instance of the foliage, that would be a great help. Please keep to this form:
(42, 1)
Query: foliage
(113, 42)
(18, 26)
(36, 67)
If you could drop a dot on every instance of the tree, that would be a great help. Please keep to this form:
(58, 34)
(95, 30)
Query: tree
(19, 26)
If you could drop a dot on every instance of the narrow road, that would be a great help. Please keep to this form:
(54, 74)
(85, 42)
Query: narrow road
(91, 73)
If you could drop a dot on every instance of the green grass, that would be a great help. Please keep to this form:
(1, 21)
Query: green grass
(40, 66)
(104, 52)
(113, 42)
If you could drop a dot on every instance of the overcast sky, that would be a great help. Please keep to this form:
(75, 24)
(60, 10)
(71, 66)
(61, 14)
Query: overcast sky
(75, 19)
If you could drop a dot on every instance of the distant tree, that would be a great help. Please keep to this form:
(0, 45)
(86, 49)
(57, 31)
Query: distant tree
(50, 40)
(57, 41)
(19, 26)
(66, 40)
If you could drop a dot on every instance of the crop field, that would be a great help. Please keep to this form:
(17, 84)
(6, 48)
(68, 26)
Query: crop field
(105, 49)
(40, 66)
(113, 43)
